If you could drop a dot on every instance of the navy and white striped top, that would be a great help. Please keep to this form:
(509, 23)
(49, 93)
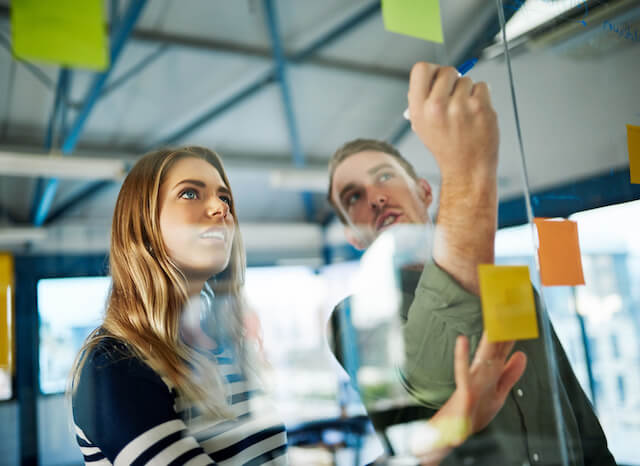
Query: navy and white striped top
(126, 414)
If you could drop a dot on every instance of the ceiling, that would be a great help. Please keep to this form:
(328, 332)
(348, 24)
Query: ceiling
(203, 72)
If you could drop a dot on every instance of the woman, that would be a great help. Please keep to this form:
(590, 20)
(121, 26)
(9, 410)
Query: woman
(167, 378)
(150, 385)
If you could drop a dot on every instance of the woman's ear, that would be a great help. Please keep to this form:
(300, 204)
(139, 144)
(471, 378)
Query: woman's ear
(353, 238)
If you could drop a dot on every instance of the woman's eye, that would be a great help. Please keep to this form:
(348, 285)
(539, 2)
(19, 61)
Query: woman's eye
(189, 194)
(226, 199)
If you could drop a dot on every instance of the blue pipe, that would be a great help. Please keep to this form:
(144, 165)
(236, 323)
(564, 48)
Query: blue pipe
(120, 37)
(287, 100)
(59, 108)
(367, 12)
(223, 106)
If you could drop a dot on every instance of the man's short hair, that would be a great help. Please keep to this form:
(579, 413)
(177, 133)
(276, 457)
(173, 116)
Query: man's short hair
(360, 145)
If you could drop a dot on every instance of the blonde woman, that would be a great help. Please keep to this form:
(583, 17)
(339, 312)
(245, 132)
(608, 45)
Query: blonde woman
(166, 378)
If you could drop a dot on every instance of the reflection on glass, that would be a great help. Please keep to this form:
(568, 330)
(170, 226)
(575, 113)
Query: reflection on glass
(65, 324)
(291, 305)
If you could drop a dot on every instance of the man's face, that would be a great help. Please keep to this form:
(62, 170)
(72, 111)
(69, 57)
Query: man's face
(373, 191)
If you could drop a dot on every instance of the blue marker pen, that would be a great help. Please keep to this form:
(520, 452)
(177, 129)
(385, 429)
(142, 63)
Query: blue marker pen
(462, 69)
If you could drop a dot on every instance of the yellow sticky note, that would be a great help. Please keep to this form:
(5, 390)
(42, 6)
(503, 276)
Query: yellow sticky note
(508, 308)
(66, 32)
(559, 252)
(6, 312)
(633, 141)
(416, 18)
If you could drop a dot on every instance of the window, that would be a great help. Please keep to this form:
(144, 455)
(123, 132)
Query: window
(65, 323)
(609, 307)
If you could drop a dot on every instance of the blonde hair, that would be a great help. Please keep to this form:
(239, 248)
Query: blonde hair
(148, 291)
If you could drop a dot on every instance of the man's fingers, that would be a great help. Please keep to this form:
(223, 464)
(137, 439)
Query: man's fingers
(461, 363)
(512, 372)
(463, 88)
(444, 83)
(420, 82)
(481, 90)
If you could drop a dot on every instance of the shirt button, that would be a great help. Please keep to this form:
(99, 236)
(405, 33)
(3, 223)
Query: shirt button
(536, 457)
(520, 392)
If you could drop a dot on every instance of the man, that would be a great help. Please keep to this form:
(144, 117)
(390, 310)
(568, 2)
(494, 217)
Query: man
(373, 188)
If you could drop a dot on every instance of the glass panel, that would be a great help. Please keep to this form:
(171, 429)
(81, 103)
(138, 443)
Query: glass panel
(562, 54)
(65, 323)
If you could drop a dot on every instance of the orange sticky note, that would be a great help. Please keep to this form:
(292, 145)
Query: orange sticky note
(633, 141)
(559, 252)
(508, 309)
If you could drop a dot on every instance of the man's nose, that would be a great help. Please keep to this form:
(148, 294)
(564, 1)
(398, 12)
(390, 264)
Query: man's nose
(377, 200)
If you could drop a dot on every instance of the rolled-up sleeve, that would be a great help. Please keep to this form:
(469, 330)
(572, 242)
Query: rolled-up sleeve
(441, 310)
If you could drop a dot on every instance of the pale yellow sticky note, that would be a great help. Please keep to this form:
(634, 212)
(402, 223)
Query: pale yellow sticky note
(508, 307)
(416, 18)
(633, 141)
(71, 33)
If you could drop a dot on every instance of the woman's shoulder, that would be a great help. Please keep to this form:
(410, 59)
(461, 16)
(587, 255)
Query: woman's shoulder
(114, 358)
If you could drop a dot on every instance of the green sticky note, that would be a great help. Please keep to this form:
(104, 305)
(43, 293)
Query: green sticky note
(66, 32)
(416, 18)
(508, 308)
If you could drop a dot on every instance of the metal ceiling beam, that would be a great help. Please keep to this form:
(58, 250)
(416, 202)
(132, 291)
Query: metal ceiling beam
(287, 100)
(250, 51)
(612, 187)
(268, 77)
(118, 41)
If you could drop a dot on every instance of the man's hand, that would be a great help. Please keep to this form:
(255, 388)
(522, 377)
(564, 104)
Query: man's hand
(455, 120)
(480, 393)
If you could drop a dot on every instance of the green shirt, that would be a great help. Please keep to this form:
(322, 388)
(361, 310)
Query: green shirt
(523, 432)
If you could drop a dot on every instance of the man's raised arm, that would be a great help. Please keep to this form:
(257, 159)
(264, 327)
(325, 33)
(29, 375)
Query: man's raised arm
(455, 120)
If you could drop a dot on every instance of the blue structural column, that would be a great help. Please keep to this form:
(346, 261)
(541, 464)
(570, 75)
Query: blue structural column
(120, 36)
(283, 81)
(57, 117)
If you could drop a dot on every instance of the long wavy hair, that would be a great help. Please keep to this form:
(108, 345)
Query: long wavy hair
(149, 292)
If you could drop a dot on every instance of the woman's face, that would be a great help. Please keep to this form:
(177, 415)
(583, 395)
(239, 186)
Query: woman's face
(196, 223)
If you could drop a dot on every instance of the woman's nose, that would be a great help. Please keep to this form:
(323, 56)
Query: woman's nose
(218, 207)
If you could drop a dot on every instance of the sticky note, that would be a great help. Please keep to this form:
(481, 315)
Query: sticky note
(508, 309)
(416, 18)
(67, 32)
(559, 252)
(633, 141)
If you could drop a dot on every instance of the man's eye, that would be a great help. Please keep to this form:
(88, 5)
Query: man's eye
(385, 177)
(189, 194)
(352, 199)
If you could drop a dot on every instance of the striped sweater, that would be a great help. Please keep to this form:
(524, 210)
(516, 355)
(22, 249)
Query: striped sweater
(126, 414)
